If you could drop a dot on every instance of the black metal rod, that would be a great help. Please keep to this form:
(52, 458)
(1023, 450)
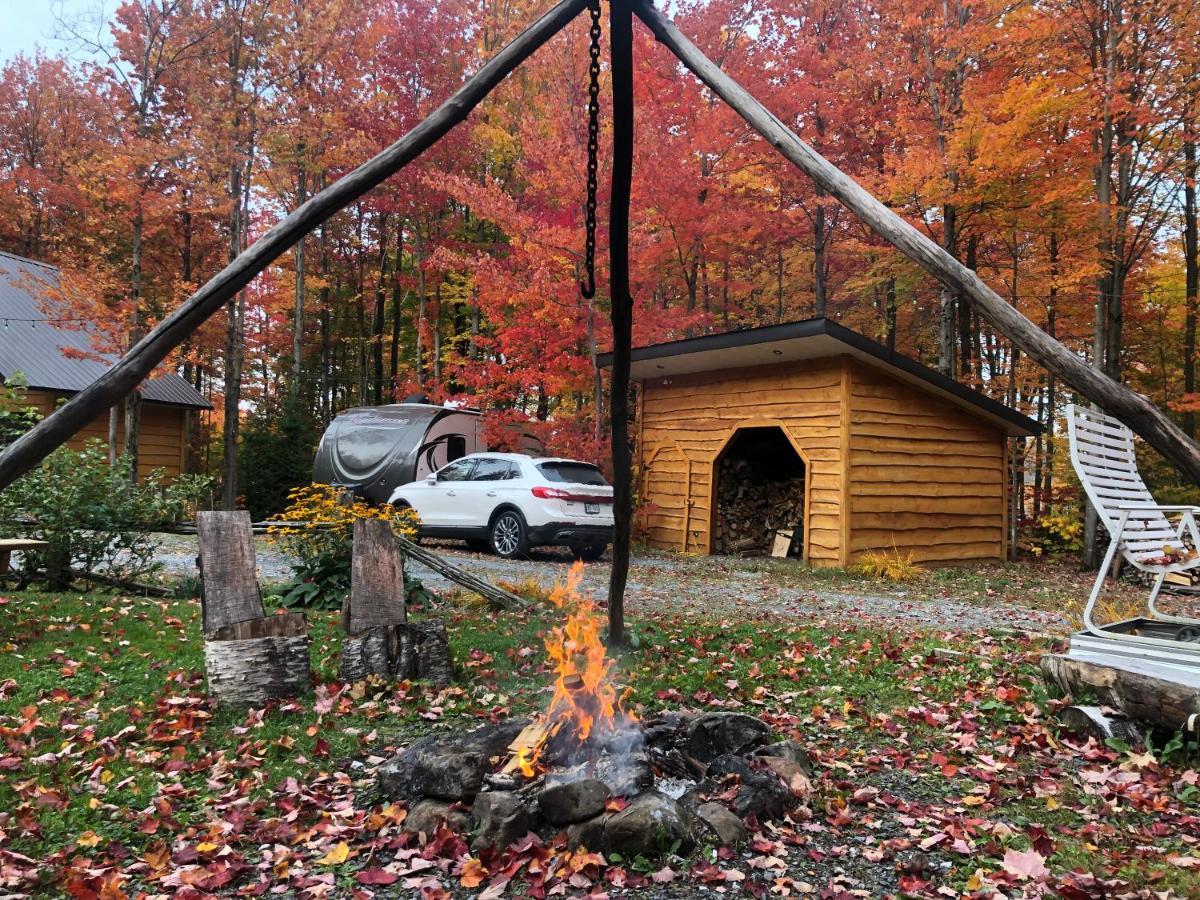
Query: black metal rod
(37, 443)
(621, 313)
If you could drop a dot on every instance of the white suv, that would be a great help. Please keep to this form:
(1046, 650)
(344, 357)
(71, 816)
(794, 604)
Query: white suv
(509, 502)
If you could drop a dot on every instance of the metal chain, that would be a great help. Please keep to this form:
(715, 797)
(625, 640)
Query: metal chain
(588, 290)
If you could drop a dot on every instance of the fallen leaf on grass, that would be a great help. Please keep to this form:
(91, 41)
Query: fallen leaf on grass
(664, 875)
(1026, 864)
(335, 857)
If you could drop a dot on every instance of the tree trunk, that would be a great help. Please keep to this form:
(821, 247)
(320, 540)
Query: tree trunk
(1191, 263)
(298, 315)
(397, 297)
(378, 315)
(820, 267)
(421, 301)
(1141, 690)
(890, 314)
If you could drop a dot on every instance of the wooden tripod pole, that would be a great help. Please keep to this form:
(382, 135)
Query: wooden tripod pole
(1114, 398)
(37, 443)
(621, 314)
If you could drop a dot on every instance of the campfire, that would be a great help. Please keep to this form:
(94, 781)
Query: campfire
(588, 766)
(585, 716)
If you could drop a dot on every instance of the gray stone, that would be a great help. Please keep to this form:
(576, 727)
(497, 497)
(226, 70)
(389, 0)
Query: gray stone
(651, 824)
(446, 768)
(589, 834)
(501, 817)
(792, 774)
(718, 733)
(725, 826)
(790, 750)
(760, 792)
(626, 774)
(573, 801)
(427, 815)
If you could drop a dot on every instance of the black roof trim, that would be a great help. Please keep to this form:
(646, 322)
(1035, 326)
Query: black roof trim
(809, 328)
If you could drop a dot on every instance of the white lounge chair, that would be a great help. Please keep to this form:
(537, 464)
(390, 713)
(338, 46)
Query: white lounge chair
(1139, 528)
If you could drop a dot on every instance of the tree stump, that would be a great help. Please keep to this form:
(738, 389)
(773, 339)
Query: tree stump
(249, 657)
(379, 638)
(263, 659)
(374, 614)
(230, 591)
(1096, 722)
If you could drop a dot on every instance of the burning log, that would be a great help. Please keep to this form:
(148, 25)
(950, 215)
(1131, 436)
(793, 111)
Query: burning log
(563, 770)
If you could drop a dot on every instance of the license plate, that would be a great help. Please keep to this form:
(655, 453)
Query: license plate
(592, 509)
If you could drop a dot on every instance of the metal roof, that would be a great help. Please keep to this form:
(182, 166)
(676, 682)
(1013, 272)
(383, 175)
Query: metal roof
(812, 339)
(35, 347)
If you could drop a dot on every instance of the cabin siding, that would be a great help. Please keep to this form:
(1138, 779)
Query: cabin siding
(924, 477)
(162, 442)
(889, 466)
(687, 420)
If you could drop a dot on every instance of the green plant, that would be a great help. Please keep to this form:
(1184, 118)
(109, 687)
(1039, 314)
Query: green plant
(276, 455)
(95, 519)
(1057, 532)
(317, 528)
(16, 415)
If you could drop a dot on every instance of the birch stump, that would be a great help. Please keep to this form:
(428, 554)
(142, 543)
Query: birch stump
(259, 660)
(1137, 689)
(249, 657)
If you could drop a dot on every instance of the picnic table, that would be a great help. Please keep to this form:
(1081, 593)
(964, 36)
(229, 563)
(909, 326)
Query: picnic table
(8, 545)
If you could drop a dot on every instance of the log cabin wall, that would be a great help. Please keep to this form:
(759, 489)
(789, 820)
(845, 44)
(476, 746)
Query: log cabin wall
(162, 443)
(924, 476)
(686, 421)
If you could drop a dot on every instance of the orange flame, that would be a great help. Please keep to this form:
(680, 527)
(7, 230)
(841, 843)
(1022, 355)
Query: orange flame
(585, 701)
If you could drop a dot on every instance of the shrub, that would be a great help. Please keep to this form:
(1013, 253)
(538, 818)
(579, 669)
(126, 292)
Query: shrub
(275, 456)
(888, 565)
(94, 518)
(1057, 532)
(16, 415)
(322, 539)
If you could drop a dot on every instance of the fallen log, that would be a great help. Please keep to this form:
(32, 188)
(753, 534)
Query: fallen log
(1139, 690)
(485, 589)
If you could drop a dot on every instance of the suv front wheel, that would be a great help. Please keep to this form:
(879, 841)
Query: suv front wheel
(509, 536)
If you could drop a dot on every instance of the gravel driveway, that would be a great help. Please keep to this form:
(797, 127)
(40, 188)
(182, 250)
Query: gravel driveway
(697, 585)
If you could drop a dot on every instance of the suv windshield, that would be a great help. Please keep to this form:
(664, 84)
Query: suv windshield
(572, 472)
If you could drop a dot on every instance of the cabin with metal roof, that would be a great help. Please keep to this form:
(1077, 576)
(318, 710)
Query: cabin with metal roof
(810, 440)
(56, 358)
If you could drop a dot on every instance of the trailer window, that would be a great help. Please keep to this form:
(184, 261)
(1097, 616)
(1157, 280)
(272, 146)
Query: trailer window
(572, 472)
(456, 447)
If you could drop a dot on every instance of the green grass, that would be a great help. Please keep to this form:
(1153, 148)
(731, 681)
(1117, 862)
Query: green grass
(112, 753)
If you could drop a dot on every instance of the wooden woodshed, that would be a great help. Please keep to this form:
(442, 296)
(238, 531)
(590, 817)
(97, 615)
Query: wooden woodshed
(812, 428)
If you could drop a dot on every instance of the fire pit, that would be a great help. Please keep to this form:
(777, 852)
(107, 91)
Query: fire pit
(589, 767)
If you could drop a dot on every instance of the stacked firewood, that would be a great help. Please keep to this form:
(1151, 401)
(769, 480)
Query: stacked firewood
(751, 508)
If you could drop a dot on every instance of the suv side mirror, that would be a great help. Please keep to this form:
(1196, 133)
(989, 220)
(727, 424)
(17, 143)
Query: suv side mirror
(431, 478)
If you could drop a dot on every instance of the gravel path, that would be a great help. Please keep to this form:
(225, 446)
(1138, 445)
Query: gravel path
(697, 585)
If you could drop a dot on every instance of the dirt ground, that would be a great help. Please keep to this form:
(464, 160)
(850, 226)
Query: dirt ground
(1036, 595)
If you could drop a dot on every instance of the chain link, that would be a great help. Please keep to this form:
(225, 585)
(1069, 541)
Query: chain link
(588, 290)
